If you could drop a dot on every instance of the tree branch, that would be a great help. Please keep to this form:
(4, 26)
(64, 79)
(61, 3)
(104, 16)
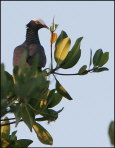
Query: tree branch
(65, 74)
(7, 119)
(37, 119)
(9, 123)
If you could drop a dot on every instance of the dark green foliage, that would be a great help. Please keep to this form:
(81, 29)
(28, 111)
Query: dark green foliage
(17, 114)
(26, 92)
(111, 132)
(22, 143)
(51, 114)
(8, 140)
(6, 84)
(104, 59)
(100, 58)
(27, 115)
(101, 69)
(30, 97)
(61, 90)
(53, 98)
(97, 57)
(13, 136)
(83, 70)
(73, 55)
(91, 60)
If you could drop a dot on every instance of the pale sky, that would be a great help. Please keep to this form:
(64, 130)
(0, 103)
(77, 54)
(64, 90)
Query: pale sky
(84, 120)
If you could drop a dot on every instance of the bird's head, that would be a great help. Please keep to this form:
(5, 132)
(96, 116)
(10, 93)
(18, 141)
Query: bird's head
(37, 24)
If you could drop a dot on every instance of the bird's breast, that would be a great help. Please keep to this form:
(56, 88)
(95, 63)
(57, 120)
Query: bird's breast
(32, 49)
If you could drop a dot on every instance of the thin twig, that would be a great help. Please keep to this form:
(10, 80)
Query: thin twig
(73, 74)
(37, 119)
(65, 74)
(7, 119)
(9, 123)
(51, 51)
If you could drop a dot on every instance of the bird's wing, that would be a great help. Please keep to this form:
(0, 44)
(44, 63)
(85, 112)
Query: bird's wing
(18, 52)
(36, 49)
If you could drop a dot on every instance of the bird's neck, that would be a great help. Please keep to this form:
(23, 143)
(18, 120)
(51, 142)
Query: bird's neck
(32, 36)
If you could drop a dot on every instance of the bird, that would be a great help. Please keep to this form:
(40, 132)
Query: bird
(31, 45)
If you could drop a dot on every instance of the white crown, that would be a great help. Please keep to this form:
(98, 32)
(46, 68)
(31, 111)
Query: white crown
(39, 20)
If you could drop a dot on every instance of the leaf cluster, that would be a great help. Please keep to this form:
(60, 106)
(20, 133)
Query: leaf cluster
(10, 140)
(26, 92)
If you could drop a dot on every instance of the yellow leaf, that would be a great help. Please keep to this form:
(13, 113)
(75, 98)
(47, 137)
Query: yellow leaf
(62, 49)
(41, 103)
(62, 88)
(4, 143)
(45, 102)
(42, 134)
(53, 38)
(5, 129)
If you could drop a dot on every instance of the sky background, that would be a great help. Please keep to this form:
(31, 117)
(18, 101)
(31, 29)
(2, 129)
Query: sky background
(84, 120)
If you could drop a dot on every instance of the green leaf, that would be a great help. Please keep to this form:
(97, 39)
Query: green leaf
(35, 103)
(50, 95)
(50, 114)
(32, 83)
(3, 73)
(56, 26)
(13, 136)
(52, 28)
(101, 69)
(17, 114)
(104, 59)
(60, 110)
(97, 57)
(4, 102)
(61, 90)
(62, 36)
(43, 134)
(61, 50)
(36, 59)
(55, 99)
(22, 143)
(82, 69)
(27, 115)
(111, 132)
(9, 76)
(90, 58)
(15, 70)
(10, 85)
(3, 82)
(5, 129)
(73, 55)
(39, 103)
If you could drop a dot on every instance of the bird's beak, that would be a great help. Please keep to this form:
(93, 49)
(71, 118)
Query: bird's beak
(46, 27)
